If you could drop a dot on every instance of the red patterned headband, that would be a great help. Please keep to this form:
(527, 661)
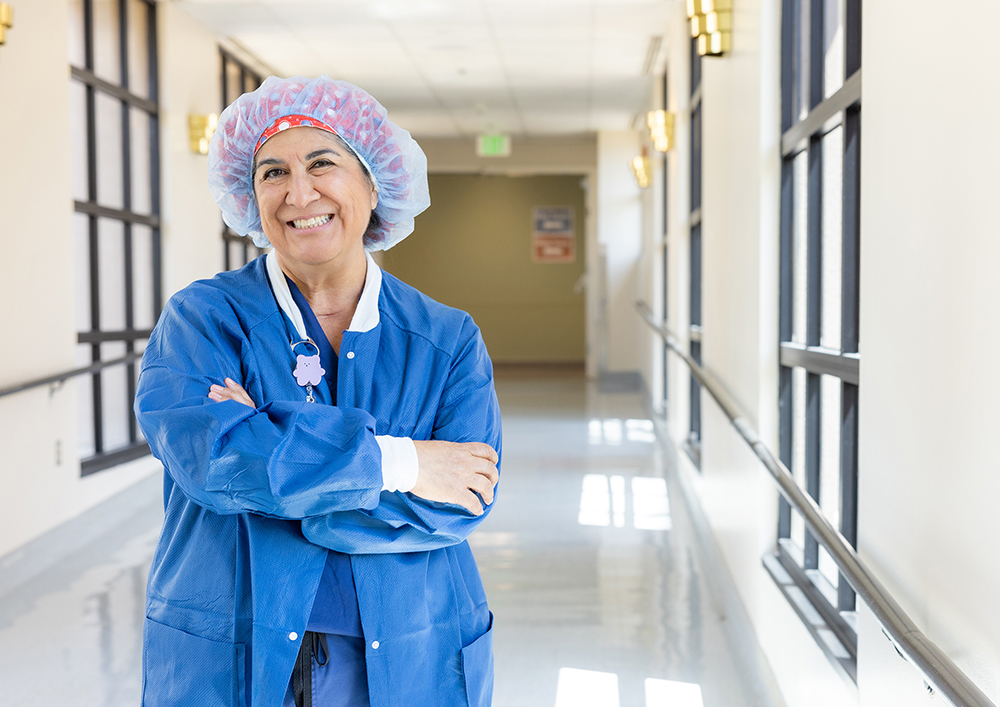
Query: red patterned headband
(304, 121)
(291, 121)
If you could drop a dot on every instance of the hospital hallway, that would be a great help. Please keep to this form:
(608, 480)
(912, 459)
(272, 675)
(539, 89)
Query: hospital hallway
(591, 563)
(734, 263)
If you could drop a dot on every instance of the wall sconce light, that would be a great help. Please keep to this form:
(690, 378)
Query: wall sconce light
(661, 129)
(201, 128)
(642, 169)
(712, 24)
(6, 20)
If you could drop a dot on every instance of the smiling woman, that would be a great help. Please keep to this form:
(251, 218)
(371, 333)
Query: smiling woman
(315, 202)
(302, 556)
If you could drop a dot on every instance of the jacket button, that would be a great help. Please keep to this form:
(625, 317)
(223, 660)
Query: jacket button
(293, 636)
(375, 645)
(350, 354)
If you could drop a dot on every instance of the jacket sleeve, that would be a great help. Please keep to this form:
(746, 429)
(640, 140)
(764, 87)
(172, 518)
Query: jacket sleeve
(285, 459)
(468, 412)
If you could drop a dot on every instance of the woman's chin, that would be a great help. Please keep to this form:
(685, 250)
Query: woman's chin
(318, 249)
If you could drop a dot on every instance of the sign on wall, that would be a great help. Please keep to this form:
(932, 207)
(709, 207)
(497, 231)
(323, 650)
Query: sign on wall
(553, 239)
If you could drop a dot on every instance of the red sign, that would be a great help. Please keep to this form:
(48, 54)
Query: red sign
(553, 239)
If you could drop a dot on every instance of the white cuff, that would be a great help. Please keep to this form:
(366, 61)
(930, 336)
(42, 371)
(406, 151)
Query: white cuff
(399, 463)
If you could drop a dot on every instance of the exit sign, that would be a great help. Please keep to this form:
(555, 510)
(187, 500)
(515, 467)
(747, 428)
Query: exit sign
(493, 146)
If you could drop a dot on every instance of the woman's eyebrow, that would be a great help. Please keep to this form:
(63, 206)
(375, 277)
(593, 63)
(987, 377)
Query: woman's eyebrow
(269, 160)
(322, 151)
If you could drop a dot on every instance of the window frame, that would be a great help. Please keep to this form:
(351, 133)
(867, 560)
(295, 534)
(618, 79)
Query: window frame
(692, 445)
(250, 80)
(103, 458)
(789, 565)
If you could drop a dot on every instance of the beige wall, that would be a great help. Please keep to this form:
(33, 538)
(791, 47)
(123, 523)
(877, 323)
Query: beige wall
(472, 250)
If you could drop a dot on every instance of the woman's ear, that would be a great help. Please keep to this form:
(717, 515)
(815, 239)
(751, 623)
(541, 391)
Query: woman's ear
(374, 198)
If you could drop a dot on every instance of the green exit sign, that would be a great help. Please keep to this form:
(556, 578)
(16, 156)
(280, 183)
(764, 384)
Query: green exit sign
(493, 146)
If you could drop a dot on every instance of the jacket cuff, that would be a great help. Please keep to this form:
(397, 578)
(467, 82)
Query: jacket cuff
(399, 463)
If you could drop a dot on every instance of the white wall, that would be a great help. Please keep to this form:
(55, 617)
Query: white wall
(930, 290)
(619, 238)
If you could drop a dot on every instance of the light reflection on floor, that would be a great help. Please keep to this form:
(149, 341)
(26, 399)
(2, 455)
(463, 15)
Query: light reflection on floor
(591, 571)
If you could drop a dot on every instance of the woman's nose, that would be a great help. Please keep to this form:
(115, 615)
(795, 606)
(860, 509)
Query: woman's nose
(301, 190)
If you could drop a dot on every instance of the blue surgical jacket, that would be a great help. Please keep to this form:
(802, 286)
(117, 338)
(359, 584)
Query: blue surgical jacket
(254, 498)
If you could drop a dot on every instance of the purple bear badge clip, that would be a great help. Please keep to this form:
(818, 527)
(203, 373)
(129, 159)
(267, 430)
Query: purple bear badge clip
(308, 370)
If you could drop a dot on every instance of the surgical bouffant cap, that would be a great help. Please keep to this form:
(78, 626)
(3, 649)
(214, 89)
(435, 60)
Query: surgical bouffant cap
(394, 160)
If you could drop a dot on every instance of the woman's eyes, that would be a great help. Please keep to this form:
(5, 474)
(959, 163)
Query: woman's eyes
(276, 172)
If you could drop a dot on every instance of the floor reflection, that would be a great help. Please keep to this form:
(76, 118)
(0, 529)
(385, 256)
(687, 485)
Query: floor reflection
(592, 573)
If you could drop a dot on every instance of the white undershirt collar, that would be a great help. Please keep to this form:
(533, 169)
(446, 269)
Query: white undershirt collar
(366, 316)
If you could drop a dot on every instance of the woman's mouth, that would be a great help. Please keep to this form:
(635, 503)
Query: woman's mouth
(311, 222)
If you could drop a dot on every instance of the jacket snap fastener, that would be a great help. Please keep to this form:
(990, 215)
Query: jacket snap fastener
(375, 645)
(350, 354)
(293, 636)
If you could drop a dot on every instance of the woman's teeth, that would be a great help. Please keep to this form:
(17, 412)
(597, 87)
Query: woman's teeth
(312, 222)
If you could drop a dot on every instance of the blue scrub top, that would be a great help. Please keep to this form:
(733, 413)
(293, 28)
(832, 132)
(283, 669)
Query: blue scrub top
(335, 609)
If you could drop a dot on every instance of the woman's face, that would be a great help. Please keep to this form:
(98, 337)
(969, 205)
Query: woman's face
(314, 197)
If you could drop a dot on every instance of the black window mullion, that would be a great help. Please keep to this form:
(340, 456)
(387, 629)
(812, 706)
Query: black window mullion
(786, 409)
(850, 310)
(92, 222)
(154, 154)
(126, 118)
(848, 483)
(812, 460)
(850, 307)
(695, 250)
(852, 37)
(817, 49)
(814, 242)
(788, 39)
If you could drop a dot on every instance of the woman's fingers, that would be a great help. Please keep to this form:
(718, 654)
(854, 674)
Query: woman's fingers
(231, 391)
(452, 472)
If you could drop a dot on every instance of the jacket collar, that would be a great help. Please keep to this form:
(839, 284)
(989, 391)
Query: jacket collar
(366, 316)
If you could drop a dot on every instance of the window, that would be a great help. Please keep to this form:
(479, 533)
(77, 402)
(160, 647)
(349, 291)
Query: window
(693, 444)
(116, 193)
(818, 388)
(237, 79)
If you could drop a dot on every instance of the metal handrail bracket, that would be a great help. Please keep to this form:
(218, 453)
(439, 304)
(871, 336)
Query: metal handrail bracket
(940, 671)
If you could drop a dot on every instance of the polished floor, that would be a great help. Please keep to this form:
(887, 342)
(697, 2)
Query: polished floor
(590, 560)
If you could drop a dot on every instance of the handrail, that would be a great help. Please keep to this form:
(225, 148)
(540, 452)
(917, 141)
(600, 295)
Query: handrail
(941, 672)
(66, 375)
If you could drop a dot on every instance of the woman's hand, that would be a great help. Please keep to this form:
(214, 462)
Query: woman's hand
(452, 472)
(232, 391)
